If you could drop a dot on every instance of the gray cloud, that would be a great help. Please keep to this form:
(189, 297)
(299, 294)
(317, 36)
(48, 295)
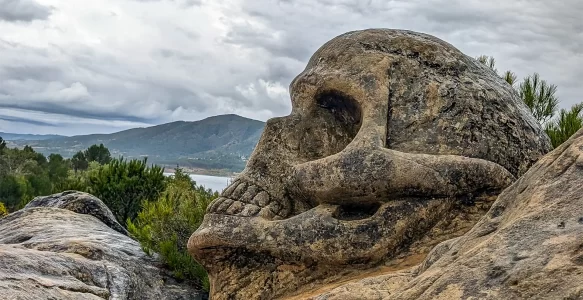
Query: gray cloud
(22, 10)
(25, 121)
(111, 65)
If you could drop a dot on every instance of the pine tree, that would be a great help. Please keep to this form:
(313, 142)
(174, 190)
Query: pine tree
(79, 162)
(565, 125)
(540, 97)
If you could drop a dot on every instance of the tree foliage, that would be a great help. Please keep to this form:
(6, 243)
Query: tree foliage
(10, 192)
(58, 168)
(123, 186)
(24, 174)
(488, 61)
(539, 96)
(164, 226)
(99, 154)
(510, 77)
(79, 162)
(565, 125)
(3, 210)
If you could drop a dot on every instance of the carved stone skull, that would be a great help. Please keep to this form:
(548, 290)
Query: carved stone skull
(392, 136)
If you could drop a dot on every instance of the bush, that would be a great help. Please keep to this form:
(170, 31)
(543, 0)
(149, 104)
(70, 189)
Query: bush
(99, 154)
(164, 226)
(10, 192)
(78, 180)
(124, 185)
(3, 210)
(567, 123)
(24, 174)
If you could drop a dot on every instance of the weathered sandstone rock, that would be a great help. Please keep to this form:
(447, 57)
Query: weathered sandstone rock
(396, 141)
(528, 246)
(50, 252)
(81, 203)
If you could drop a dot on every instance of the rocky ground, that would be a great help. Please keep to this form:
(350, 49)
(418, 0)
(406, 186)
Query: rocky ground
(528, 246)
(69, 246)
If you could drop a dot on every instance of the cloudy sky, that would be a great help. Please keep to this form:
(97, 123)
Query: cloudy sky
(79, 66)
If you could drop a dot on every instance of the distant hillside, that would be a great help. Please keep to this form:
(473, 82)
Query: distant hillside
(219, 142)
(28, 137)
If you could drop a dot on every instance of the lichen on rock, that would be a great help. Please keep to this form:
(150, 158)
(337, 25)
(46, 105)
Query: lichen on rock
(528, 246)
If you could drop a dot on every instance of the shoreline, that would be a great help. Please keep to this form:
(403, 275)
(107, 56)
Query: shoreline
(205, 172)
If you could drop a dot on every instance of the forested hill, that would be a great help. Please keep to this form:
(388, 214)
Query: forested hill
(219, 142)
(28, 137)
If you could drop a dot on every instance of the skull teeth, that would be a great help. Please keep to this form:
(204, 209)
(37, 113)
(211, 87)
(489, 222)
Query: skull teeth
(229, 190)
(238, 192)
(261, 199)
(250, 201)
(250, 210)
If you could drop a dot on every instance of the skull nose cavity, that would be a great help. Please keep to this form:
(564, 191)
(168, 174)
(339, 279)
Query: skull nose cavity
(247, 200)
(356, 211)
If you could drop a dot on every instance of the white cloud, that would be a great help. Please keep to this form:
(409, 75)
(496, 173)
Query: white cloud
(147, 62)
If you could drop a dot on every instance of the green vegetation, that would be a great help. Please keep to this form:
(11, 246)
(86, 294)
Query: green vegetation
(79, 162)
(161, 212)
(58, 169)
(124, 185)
(25, 174)
(164, 226)
(488, 61)
(565, 125)
(99, 154)
(121, 184)
(10, 191)
(539, 96)
(3, 210)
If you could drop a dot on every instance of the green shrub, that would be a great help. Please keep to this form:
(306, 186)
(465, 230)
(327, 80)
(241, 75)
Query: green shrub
(124, 185)
(3, 210)
(98, 154)
(567, 123)
(11, 192)
(164, 226)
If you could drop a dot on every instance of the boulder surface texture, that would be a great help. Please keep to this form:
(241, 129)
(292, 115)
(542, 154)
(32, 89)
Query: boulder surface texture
(528, 246)
(396, 141)
(69, 246)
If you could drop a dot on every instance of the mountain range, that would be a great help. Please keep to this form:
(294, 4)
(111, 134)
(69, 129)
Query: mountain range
(219, 142)
(28, 137)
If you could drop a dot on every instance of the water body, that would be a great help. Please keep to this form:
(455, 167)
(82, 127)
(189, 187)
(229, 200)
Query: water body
(215, 183)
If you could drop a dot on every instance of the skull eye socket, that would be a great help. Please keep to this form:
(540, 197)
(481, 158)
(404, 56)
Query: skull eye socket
(330, 126)
(343, 107)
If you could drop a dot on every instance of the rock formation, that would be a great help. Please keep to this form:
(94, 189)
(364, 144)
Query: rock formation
(69, 246)
(81, 203)
(396, 141)
(528, 246)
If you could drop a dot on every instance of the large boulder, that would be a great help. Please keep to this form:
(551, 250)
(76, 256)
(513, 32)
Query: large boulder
(81, 203)
(396, 142)
(69, 246)
(528, 246)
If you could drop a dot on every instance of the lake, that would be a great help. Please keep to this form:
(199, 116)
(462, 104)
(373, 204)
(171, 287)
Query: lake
(214, 183)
